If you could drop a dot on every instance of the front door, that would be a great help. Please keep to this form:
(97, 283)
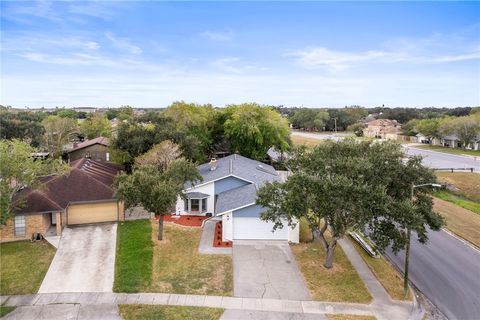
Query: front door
(54, 218)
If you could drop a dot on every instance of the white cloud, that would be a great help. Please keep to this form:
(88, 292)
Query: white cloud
(323, 57)
(217, 36)
(336, 60)
(123, 43)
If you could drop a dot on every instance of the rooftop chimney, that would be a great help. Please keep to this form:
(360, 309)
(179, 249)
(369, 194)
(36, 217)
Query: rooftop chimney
(213, 164)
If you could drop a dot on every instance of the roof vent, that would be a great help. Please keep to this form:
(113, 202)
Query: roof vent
(263, 169)
(213, 164)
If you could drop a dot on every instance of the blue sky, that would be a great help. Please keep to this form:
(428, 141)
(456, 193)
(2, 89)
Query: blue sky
(315, 54)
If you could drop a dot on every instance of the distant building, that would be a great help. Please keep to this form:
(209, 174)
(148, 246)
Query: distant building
(85, 109)
(383, 129)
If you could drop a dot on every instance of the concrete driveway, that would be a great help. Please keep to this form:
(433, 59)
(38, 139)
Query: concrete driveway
(84, 262)
(266, 269)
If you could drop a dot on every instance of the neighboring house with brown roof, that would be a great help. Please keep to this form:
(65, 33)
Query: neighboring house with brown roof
(383, 129)
(95, 149)
(84, 196)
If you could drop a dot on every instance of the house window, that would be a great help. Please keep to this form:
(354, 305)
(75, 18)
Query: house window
(194, 205)
(19, 225)
(204, 205)
(185, 205)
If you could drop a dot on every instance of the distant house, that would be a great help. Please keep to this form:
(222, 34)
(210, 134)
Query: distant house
(228, 193)
(383, 129)
(95, 149)
(453, 142)
(84, 196)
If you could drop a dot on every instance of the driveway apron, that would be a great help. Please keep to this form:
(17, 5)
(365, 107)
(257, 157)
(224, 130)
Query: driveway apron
(266, 269)
(84, 262)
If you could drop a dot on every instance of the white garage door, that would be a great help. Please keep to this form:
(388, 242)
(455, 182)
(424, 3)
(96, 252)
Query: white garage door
(252, 228)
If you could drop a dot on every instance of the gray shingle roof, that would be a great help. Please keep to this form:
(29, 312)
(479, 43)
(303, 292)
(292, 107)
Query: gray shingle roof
(196, 195)
(239, 166)
(236, 198)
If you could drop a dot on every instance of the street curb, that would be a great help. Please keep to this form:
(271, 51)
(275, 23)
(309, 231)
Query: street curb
(450, 154)
(471, 245)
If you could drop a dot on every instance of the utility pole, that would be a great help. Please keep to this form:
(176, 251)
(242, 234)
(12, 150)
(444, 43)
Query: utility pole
(407, 252)
(335, 119)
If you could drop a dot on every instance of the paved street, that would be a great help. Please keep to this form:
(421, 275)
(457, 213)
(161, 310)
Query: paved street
(435, 159)
(448, 272)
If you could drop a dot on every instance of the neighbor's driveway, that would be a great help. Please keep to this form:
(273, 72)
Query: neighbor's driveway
(266, 269)
(85, 260)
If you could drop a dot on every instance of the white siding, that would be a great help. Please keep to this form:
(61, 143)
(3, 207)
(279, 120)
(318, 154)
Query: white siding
(207, 189)
(227, 227)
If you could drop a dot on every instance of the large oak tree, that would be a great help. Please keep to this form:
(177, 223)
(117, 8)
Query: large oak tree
(346, 185)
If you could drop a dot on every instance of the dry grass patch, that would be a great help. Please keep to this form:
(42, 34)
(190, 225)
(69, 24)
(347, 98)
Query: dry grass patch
(460, 221)
(24, 265)
(299, 141)
(349, 317)
(150, 312)
(341, 283)
(385, 273)
(178, 267)
(468, 183)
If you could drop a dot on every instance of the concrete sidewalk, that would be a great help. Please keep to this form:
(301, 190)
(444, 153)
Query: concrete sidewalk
(382, 303)
(252, 304)
(206, 241)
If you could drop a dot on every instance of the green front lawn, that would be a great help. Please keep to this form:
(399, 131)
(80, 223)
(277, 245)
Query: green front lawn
(23, 266)
(149, 312)
(457, 151)
(133, 265)
(173, 265)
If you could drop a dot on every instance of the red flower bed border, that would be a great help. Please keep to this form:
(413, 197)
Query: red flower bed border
(186, 221)
(217, 237)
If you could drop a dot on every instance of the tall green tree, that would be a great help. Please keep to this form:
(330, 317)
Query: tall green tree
(430, 128)
(18, 169)
(253, 129)
(156, 189)
(25, 126)
(67, 113)
(96, 125)
(340, 186)
(58, 132)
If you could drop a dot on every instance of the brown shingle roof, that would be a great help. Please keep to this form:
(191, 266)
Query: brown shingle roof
(89, 180)
(99, 140)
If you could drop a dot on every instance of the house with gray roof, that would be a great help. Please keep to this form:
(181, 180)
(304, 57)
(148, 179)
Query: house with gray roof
(228, 193)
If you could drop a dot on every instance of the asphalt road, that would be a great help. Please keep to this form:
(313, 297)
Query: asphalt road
(442, 160)
(447, 272)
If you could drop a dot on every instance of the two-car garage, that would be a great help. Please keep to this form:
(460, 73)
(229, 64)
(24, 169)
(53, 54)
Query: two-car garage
(94, 212)
(253, 228)
(246, 224)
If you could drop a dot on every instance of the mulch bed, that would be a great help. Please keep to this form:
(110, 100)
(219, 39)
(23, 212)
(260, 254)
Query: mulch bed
(187, 221)
(217, 237)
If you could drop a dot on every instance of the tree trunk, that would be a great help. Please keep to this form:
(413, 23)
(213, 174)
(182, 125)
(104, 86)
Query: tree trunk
(322, 236)
(160, 227)
(330, 253)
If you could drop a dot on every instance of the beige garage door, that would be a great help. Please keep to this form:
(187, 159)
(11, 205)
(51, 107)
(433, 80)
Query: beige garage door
(92, 213)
